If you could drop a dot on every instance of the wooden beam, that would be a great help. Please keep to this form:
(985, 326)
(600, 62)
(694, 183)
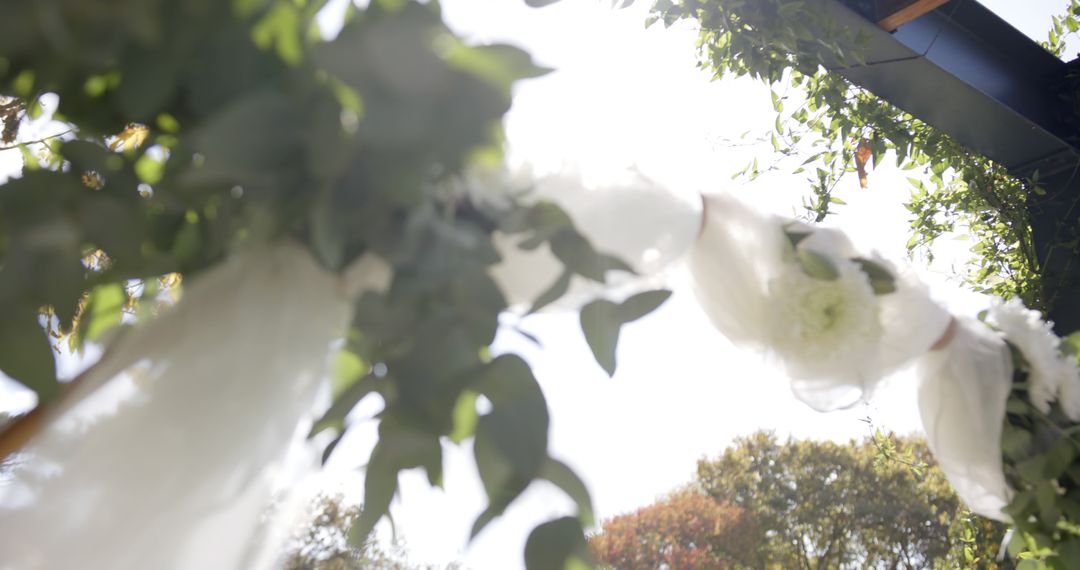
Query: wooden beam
(908, 13)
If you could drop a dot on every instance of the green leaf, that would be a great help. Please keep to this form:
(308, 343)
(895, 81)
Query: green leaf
(400, 447)
(465, 417)
(557, 545)
(343, 404)
(601, 324)
(1058, 458)
(641, 304)
(26, 354)
(280, 29)
(564, 478)
(104, 311)
(816, 265)
(795, 236)
(578, 255)
(601, 321)
(881, 280)
(511, 441)
(499, 64)
(346, 370)
(553, 293)
(1070, 345)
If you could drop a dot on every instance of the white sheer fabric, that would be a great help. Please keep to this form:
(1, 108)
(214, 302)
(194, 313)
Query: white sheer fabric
(835, 338)
(632, 217)
(962, 393)
(169, 463)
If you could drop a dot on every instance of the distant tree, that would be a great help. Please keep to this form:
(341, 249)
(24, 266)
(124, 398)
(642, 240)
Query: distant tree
(877, 503)
(323, 543)
(764, 504)
(684, 530)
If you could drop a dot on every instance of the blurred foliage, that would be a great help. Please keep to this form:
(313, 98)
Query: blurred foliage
(1041, 452)
(322, 545)
(195, 126)
(767, 504)
(684, 530)
(825, 125)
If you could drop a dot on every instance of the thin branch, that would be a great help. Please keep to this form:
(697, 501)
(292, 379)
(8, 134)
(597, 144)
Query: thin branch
(42, 140)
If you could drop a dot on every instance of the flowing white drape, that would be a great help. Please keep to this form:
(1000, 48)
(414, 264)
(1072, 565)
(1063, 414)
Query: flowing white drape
(630, 216)
(168, 458)
(963, 389)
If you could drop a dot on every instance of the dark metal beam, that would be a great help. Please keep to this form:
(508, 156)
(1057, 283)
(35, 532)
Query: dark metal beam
(970, 74)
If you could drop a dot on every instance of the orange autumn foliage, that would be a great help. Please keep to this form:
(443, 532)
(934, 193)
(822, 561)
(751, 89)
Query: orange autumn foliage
(685, 531)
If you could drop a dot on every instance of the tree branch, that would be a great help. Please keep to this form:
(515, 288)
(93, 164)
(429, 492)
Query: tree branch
(37, 141)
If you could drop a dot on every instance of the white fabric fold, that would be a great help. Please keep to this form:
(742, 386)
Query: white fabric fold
(630, 216)
(170, 461)
(963, 389)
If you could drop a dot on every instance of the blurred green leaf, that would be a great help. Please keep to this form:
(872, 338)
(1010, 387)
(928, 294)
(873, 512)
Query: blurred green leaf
(552, 293)
(564, 478)
(816, 265)
(104, 311)
(26, 355)
(602, 320)
(881, 280)
(346, 370)
(400, 447)
(557, 545)
(465, 417)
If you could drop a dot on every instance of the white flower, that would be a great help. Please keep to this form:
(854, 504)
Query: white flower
(1050, 373)
(819, 326)
(1069, 395)
(836, 338)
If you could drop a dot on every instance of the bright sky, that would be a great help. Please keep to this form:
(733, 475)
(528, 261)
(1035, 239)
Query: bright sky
(625, 96)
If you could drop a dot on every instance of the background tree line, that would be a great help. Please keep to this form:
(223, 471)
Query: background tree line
(810, 505)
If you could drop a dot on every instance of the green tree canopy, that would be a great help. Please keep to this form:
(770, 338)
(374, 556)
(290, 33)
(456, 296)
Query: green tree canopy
(763, 503)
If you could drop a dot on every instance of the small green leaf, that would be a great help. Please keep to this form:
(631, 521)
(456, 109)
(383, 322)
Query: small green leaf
(104, 310)
(498, 64)
(346, 370)
(795, 236)
(564, 478)
(343, 404)
(816, 265)
(27, 356)
(400, 447)
(553, 293)
(881, 280)
(600, 323)
(557, 545)
(641, 304)
(1058, 458)
(465, 417)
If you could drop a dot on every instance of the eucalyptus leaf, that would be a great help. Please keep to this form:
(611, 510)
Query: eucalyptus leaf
(557, 545)
(600, 323)
(27, 356)
(465, 417)
(881, 280)
(564, 478)
(816, 265)
(552, 293)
